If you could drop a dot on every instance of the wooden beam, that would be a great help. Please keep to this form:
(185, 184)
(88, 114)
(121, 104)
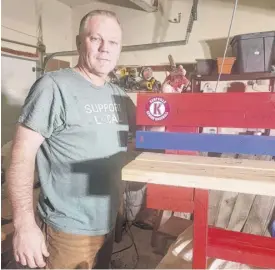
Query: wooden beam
(203, 142)
(239, 247)
(170, 198)
(231, 110)
(244, 176)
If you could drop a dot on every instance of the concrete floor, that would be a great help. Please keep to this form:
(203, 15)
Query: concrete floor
(128, 259)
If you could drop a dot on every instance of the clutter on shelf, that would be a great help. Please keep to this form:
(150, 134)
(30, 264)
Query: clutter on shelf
(143, 79)
(131, 80)
(251, 52)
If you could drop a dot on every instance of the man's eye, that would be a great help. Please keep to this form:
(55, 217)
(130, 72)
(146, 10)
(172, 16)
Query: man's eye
(113, 42)
(94, 39)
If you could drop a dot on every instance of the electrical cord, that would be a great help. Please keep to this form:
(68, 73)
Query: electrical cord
(135, 246)
(128, 247)
(127, 191)
(128, 225)
(123, 249)
(227, 42)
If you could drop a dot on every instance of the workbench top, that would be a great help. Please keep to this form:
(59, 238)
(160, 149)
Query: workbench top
(225, 174)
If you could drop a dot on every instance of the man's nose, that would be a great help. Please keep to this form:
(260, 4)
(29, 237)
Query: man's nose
(104, 47)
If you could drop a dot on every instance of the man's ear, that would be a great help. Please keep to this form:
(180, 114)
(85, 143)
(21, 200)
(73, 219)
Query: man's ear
(78, 42)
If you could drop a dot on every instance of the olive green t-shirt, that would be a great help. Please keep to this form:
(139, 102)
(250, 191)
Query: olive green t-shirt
(79, 163)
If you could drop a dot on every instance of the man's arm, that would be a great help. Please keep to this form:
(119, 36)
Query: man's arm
(20, 175)
(38, 120)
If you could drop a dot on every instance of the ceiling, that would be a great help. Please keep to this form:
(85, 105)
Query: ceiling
(122, 3)
(266, 4)
(74, 3)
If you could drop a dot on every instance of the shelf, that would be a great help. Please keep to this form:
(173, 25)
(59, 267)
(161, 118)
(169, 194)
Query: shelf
(236, 77)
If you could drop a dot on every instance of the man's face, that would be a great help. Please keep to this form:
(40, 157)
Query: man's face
(100, 45)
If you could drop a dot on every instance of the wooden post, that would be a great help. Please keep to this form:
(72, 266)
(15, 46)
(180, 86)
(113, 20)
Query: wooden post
(200, 233)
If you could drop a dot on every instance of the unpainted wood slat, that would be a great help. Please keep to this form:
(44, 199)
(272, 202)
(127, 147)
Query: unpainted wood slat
(240, 211)
(205, 160)
(259, 215)
(226, 207)
(215, 197)
(243, 179)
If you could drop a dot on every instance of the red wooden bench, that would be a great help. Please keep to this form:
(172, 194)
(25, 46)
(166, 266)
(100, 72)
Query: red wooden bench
(168, 175)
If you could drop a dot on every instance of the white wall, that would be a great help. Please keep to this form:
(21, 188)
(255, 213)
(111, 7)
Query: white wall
(60, 25)
(22, 16)
(16, 79)
(209, 32)
(16, 74)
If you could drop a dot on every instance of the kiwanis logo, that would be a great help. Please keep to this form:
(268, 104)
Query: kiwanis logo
(157, 109)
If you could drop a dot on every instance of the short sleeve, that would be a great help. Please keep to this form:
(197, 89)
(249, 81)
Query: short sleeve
(42, 107)
(130, 108)
(131, 112)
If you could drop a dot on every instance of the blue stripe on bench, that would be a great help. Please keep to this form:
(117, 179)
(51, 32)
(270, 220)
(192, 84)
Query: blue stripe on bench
(218, 143)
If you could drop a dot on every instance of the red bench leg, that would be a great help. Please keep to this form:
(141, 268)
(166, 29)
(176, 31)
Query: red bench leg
(200, 233)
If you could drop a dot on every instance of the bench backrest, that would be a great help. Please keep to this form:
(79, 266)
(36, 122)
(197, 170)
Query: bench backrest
(219, 110)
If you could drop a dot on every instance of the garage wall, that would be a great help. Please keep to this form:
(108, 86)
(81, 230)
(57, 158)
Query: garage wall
(17, 75)
(22, 16)
(209, 32)
(15, 86)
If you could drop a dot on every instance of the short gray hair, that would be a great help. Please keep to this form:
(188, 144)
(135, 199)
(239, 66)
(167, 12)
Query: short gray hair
(97, 12)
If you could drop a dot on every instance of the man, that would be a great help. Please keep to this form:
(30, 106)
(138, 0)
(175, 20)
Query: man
(74, 128)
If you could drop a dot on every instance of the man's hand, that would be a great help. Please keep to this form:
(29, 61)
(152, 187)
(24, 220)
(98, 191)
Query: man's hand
(29, 246)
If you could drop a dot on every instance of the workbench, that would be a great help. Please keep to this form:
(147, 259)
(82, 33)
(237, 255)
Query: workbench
(200, 174)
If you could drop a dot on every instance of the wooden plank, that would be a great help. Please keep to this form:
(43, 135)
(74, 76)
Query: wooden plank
(241, 247)
(240, 212)
(201, 174)
(259, 215)
(225, 209)
(208, 161)
(215, 197)
(185, 130)
(200, 229)
(219, 143)
(165, 197)
(231, 110)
